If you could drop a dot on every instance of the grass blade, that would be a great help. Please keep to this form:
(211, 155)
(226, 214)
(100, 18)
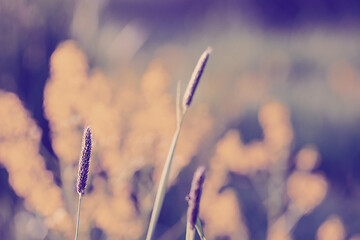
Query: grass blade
(199, 229)
(190, 233)
(159, 199)
(178, 106)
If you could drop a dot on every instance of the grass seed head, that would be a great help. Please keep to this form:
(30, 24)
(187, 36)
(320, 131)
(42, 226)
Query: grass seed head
(194, 196)
(195, 78)
(84, 162)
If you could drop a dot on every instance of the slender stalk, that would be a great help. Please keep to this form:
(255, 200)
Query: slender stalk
(190, 233)
(178, 106)
(159, 199)
(187, 98)
(78, 218)
(199, 229)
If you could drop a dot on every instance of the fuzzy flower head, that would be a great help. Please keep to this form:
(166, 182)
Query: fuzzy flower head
(195, 78)
(84, 162)
(194, 196)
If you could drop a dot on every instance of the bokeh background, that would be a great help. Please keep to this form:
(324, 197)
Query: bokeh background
(275, 118)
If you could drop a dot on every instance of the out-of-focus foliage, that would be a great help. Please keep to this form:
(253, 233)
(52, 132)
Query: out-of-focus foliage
(305, 190)
(132, 130)
(331, 229)
(19, 153)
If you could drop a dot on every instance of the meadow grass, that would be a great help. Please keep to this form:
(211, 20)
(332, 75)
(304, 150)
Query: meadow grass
(187, 99)
(194, 197)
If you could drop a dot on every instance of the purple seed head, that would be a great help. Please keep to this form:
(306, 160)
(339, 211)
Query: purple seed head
(195, 78)
(194, 196)
(84, 162)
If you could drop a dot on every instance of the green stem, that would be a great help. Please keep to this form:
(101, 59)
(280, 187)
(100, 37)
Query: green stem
(78, 218)
(159, 199)
(199, 229)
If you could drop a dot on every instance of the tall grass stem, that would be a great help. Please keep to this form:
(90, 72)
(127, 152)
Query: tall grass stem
(190, 233)
(178, 105)
(159, 199)
(187, 98)
(78, 218)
